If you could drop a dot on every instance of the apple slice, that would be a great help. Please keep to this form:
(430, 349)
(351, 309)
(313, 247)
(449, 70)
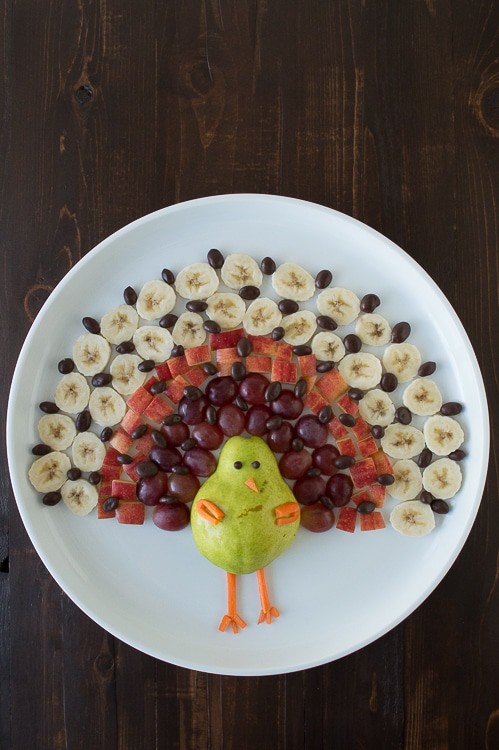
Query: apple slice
(121, 440)
(337, 429)
(314, 401)
(372, 521)
(226, 339)
(307, 364)
(163, 371)
(283, 371)
(158, 409)
(331, 385)
(131, 513)
(363, 473)
(145, 443)
(178, 365)
(346, 447)
(258, 363)
(175, 390)
(346, 519)
(377, 494)
(197, 376)
(284, 351)
(367, 446)
(150, 382)
(198, 354)
(139, 400)
(131, 469)
(361, 497)
(131, 421)
(124, 490)
(348, 405)
(263, 345)
(360, 429)
(382, 463)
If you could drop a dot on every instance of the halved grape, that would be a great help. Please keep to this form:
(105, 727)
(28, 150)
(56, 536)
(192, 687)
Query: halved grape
(323, 459)
(280, 439)
(308, 490)
(193, 411)
(253, 388)
(294, 464)
(256, 420)
(339, 488)
(202, 463)
(221, 390)
(176, 433)
(287, 405)
(171, 516)
(230, 419)
(165, 458)
(151, 489)
(208, 436)
(183, 486)
(316, 517)
(313, 433)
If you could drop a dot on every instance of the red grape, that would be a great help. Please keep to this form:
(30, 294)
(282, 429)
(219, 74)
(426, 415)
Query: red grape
(323, 459)
(151, 489)
(193, 411)
(308, 490)
(171, 516)
(256, 419)
(294, 464)
(279, 440)
(339, 488)
(208, 436)
(253, 388)
(221, 390)
(230, 420)
(183, 487)
(287, 405)
(176, 433)
(165, 458)
(311, 431)
(316, 517)
(202, 463)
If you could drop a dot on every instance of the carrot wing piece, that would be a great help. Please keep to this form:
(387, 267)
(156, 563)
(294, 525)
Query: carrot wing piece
(287, 513)
(209, 511)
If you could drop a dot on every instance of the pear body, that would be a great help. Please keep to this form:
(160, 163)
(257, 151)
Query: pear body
(247, 538)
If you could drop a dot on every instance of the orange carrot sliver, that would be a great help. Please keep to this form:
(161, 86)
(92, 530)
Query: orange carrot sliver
(287, 513)
(209, 511)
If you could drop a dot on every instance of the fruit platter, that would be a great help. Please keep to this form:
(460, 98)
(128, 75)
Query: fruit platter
(227, 403)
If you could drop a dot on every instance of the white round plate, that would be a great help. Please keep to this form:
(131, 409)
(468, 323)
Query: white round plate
(336, 591)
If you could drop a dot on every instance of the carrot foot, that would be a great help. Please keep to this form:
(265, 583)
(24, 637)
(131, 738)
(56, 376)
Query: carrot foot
(234, 621)
(266, 615)
(231, 618)
(267, 611)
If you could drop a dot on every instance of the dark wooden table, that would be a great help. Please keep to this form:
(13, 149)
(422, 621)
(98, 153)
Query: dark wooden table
(387, 111)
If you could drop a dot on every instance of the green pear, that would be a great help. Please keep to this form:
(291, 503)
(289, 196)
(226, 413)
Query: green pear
(247, 487)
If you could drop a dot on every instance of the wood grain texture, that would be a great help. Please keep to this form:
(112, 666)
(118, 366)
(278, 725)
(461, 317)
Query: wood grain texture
(387, 111)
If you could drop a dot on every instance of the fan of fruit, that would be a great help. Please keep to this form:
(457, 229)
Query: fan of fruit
(302, 403)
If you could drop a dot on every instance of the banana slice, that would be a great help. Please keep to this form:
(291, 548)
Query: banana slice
(152, 342)
(328, 347)
(156, 298)
(241, 270)
(412, 518)
(226, 309)
(120, 324)
(422, 397)
(197, 281)
(342, 305)
(408, 482)
(361, 370)
(402, 441)
(299, 327)
(261, 317)
(88, 451)
(72, 393)
(57, 431)
(126, 375)
(376, 407)
(188, 331)
(291, 281)
(443, 478)
(106, 407)
(443, 434)
(79, 496)
(48, 473)
(373, 329)
(91, 353)
(403, 360)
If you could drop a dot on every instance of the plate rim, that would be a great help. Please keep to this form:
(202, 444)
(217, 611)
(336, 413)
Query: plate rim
(185, 206)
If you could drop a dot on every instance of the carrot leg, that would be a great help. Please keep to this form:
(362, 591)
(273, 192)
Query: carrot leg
(267, 611)
(231, 618)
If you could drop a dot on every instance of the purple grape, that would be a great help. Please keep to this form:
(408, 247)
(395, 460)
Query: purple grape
(280, 439)
(339, 488)
(313, 433)
(256, 419)
(316, 517)
(165, 458)
(221, 390)
(287, 405)
(176, 433)
(253, 388)
(230, 420)
(171, 516)
(323, 459)
(193, 411)
(183, 486)
(208, 436)
(151, 489)
(294, 464)
(202, 463)
(308, 490)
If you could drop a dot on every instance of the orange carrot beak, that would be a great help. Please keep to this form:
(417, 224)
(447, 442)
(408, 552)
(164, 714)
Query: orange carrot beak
(250, 482)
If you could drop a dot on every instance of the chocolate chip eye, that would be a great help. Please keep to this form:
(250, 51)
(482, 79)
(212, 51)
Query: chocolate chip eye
(256, 464)
(238, 465)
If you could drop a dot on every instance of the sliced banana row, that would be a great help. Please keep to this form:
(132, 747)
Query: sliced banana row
(72, 393)
(126, 375)
(291, 281)
(188, 331)
(156, 298)
(48, 473)
(79, 496)
(342, 305)
(408, 481)
(91, 353)
(120, 324)
(106, 407)
(241, 270)
(151, 342)
(412, 518)
(197, 281)
(361, 370)
(227, 309)
(299, 327)
(57, 431)
(377, 408)
(261, 317)
(88, 451)
(422, 397)
(373, 329)
(443, 478)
